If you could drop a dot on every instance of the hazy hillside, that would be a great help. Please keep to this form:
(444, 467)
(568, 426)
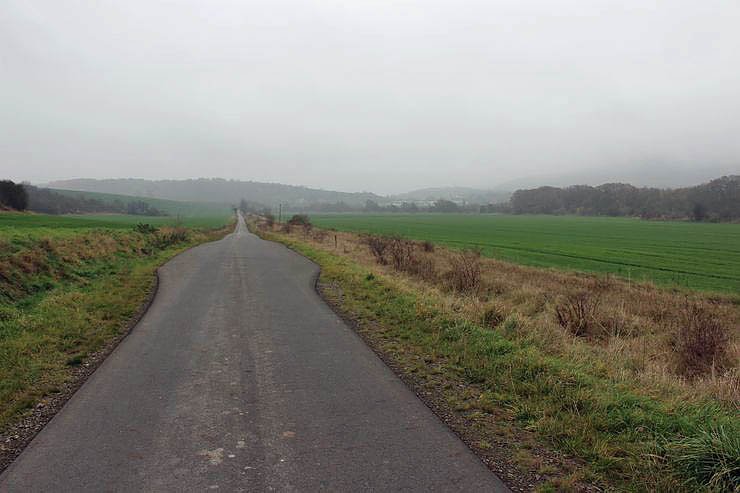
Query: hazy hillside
(168, 207)
(214, 190)
(456, 194)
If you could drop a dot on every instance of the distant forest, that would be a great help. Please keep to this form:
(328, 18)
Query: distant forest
(13, 196)
(20, 197)
(718, 200)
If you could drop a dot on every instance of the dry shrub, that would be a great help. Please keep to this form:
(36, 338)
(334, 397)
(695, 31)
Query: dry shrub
(286, 228)
(700, 341)
(402, 253)
(465, 271)
(319, 235)
(577, 314)
(617, 322)
(422, 267)
(427, 246)
(378, 246)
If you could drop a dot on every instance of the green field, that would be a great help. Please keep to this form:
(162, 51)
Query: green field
(699, 256)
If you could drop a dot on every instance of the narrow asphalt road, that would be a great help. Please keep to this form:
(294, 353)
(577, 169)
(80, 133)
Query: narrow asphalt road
(240, 378)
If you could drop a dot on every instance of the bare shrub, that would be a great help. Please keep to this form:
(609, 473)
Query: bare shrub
(465, 273)
(378, 246)
(700, 341)
(422, 267)
(286, 228)
(402, 253)
(427, 246)
(577, 314)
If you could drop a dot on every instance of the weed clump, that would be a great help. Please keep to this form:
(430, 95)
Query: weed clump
(145, 229)
(577, 314)
(464, 275)
(378, 246)
(700, 341)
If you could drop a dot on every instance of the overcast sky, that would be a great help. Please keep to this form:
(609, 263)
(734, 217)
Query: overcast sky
(371, 95)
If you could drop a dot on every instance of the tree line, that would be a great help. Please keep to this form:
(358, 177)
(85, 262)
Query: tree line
(13, 195)
(718, 200)
(21, 197)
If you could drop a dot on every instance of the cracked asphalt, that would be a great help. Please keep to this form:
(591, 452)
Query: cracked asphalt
(240, 378)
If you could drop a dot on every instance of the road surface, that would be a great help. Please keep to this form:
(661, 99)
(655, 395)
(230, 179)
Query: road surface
(240, 378)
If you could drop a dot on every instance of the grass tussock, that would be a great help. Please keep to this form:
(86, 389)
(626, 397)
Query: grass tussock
(638, 382)
(709, 458)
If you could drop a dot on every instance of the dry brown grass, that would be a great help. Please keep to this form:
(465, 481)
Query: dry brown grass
(578, 314)
(634, 329)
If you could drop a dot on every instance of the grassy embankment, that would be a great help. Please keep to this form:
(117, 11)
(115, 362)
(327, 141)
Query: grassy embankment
(621, 389)
(671, 253)
(68, 286)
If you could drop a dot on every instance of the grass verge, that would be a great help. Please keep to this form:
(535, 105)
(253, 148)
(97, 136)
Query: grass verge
(620, 436)
(64, 297)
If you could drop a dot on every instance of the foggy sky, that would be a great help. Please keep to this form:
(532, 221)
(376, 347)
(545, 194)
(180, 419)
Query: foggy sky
(374, 95)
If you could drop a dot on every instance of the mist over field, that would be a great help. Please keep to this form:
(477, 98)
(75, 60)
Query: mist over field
(385, 97)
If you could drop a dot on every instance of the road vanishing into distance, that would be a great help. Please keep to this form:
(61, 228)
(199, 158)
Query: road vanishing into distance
(240, 378)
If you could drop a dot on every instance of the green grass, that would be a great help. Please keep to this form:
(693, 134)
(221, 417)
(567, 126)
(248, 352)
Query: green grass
(13, 224)
(697, 256)
(628, 440)
(68, 285)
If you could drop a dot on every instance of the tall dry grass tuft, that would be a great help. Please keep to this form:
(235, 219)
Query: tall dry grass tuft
(578, 314)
